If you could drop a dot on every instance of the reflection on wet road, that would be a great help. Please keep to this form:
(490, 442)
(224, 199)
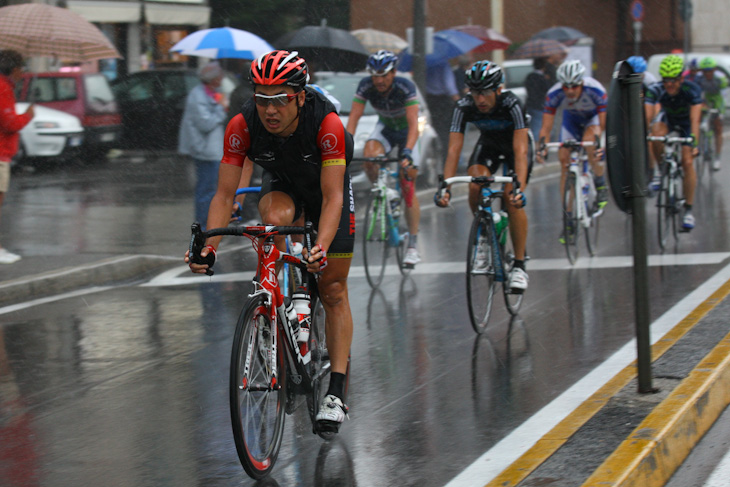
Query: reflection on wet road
(128, 386)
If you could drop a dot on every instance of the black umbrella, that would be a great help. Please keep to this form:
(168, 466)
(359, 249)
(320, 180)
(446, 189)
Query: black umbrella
(566, 35)
(326, 48)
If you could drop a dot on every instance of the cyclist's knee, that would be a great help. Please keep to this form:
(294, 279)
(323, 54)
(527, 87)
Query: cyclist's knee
(333, 292)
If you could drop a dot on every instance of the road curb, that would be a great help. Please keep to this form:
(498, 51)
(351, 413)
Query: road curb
(103, 272)
(673, 424)
(660, 444)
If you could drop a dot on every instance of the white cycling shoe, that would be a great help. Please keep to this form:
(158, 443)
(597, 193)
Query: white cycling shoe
(412, 258)
(518, 279)
(331, 415)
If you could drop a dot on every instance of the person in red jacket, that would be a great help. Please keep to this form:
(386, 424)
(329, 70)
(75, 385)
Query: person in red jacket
(11, 71)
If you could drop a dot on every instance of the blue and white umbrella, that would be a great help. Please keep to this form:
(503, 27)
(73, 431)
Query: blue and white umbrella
(447, 44)
(223, 43)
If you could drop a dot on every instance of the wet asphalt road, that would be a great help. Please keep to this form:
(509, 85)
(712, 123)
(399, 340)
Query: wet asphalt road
(128, 386)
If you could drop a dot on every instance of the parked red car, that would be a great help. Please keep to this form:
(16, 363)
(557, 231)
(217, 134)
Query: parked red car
(85, 95)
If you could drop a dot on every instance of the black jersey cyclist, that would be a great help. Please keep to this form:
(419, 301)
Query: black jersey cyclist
(395, 100)
(294, 133)
(675, 104)
(504, 139)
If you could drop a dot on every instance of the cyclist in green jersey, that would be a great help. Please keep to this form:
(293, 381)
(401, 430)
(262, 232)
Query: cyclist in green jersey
(712, 84)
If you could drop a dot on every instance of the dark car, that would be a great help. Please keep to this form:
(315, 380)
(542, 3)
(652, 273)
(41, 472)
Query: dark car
(87, 96)
(152, 104)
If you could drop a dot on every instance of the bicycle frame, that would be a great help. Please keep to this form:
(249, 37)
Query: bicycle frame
(389, 222)
(579, 167)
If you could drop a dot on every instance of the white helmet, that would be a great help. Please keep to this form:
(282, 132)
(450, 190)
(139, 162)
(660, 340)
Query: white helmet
(571, 72)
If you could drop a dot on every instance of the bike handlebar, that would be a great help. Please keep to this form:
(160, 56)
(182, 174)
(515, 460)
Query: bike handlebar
(670, 140)
(377, 160)
(487, 180)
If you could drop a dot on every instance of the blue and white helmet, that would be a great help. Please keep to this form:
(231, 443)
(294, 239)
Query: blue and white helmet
(382, 62)
(571, 72)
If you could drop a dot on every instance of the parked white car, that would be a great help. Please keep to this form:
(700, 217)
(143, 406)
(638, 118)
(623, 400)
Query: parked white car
(515, 74)
(51, 134)
(342, 86)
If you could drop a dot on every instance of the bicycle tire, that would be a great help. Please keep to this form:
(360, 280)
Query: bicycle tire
(512, 300)
(375, 241)
(571, 231)
(257, 410)
(480, 283)
(676, 204)
(591, 231)
(403, 235)
(664, 207)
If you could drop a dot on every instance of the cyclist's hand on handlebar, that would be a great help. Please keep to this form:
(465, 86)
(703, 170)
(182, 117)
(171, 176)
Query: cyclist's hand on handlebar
(442, 197)
(519, 199)
(316, 260)
(203, 263)
(541, 152)
(236, 212)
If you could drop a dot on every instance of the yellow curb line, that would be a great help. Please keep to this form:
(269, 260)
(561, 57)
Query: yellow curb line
(659, 445)
(561, 433)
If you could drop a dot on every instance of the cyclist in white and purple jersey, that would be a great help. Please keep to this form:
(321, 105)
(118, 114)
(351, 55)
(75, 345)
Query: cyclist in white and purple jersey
(395, 100)
(583, 100)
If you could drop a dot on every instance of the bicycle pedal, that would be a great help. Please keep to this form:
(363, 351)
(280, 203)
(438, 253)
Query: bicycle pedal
(326, 429)
(409, 266)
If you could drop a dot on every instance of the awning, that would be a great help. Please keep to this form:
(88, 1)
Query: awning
(107, 11)
(161, 14)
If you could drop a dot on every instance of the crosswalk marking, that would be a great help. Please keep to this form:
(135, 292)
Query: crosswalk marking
(181, 276)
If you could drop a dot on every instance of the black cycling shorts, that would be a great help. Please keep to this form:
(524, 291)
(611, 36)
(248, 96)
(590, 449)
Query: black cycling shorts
(310, 204)
(491, 152)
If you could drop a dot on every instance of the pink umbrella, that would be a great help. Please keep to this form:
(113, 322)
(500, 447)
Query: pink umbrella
(493, 40)
(36, 29)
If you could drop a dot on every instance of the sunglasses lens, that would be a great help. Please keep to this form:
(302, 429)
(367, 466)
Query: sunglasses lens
(276, 100)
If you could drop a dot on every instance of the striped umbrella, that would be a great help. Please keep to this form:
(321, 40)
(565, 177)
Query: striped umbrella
(36, 29)
(373, 40)
(539, 48)
(223, 42)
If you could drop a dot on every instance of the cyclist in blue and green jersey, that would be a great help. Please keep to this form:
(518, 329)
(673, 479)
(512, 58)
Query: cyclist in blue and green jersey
(395, 100)
(675, 104)
(712, 84)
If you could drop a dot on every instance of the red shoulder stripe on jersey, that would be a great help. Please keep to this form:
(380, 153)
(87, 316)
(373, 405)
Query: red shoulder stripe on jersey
(237, 141)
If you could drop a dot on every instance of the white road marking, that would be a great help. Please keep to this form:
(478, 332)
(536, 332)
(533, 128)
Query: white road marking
(50, 299)
(181, 276)
(509, 449)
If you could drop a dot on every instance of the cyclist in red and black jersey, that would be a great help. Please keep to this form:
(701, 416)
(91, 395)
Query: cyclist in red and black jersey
(296, 136)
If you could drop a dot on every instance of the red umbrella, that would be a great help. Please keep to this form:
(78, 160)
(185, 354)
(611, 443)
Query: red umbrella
(493, 40)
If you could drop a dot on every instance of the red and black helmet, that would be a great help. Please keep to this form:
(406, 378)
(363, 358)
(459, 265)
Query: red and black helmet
(280, 68)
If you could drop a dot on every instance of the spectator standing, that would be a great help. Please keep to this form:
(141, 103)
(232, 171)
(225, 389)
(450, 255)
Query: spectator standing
(537, 85)
(441, 95)
(201, 134)
(11, 71)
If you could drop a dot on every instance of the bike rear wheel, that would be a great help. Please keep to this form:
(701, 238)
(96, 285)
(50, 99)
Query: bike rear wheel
(257, 396)
(480, 274)
(571, 231)
(375, 241)
(512, 300)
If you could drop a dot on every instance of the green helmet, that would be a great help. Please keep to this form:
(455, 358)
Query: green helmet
(671, 66)
(708, 63)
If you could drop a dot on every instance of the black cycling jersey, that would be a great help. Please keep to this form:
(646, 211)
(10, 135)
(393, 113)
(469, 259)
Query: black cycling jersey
(390, 106)
(675, 107)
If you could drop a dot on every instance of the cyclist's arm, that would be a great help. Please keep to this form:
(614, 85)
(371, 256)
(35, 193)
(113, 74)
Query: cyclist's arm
(519, 147)
(547, 126)
(412, 118)
(331, 181)
(695, 114)
(358, 108)
(456, 143)
(602, 121)
(245, 181)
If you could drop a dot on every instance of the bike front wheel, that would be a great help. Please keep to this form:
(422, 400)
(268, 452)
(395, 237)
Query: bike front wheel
(257, 392)
(570, 218)
(480, 272)
(375, 241)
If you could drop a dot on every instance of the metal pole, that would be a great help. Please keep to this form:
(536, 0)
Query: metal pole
(637, 145)
(419, 44)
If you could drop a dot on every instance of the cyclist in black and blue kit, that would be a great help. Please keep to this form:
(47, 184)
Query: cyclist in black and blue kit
(395, 100)
(505, 139)
(675, 104)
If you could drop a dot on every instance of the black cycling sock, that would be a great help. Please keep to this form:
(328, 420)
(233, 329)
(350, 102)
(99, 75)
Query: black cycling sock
(337, 385)
(520, 264)
(687, 207)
